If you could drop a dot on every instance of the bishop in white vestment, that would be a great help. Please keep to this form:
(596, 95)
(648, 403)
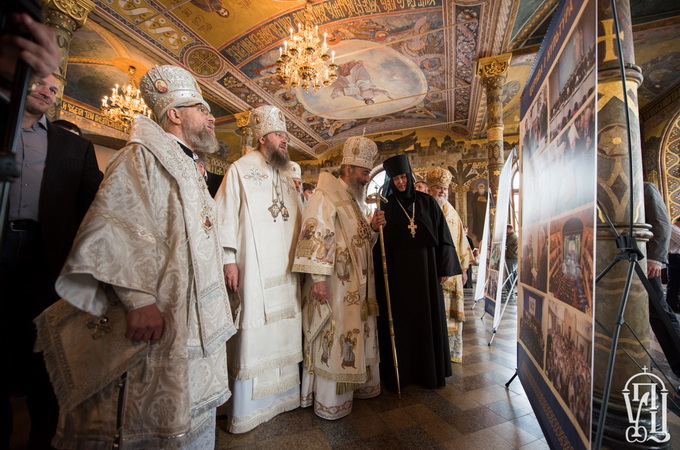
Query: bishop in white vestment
(339, 303)
(136, 348)
(258, 220)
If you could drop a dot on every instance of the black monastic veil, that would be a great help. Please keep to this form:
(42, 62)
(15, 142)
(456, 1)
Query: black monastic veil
(414, 264)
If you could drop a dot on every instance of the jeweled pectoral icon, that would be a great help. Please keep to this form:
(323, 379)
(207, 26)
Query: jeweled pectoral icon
(275, 210)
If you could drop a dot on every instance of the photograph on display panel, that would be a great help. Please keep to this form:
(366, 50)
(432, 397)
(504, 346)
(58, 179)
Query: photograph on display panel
(568, 360)
(571, 250)
(558, 179)
(531, 331)
(536, 129)
(567, 81)
(534, 257)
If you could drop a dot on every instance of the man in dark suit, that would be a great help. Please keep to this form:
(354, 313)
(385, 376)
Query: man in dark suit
(58, 179)
(657, 254)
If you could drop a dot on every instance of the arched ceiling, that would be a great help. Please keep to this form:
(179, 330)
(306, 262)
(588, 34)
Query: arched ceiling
(419, 54)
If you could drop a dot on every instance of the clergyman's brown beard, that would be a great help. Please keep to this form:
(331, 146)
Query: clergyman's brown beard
(278, 160)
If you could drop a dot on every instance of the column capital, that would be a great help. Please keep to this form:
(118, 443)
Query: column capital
(65, 17)
(76, 10)
(242, 119)
(493, 66)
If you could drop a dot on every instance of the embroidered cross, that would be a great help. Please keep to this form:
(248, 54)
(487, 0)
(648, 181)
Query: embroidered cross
(99, 326)
(256, 176)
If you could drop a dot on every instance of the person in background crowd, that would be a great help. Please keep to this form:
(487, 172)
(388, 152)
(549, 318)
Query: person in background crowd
(479, 201)
(58, 179)
(657, 252)
(421, 186)
(308, 189)
(673, 268)
(475, 254)
(68, 126)
(511, 257)
(201, 163)
(296, 176)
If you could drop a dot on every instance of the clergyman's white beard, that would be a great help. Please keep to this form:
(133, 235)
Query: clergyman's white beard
(441, 200)
(202, 141)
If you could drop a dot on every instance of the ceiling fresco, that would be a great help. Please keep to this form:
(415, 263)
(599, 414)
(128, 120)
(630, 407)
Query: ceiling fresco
(657, 52)
(416, 60)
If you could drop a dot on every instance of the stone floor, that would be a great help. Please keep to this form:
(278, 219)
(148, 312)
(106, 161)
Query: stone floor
(474, 411)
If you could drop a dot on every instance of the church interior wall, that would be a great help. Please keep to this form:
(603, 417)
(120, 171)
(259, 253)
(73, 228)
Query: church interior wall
(104, 155)
(660, 128)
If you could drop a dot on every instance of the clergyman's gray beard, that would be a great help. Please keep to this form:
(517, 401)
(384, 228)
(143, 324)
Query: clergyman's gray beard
(358, 192)
(202, 141)
(441, 200)
(278, 160)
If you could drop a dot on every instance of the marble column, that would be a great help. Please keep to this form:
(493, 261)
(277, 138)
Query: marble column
(613, 193)
(492, 71)
(242, 121)
(65, 16)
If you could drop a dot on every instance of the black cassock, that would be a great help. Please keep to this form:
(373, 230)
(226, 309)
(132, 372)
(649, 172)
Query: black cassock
(414, 266)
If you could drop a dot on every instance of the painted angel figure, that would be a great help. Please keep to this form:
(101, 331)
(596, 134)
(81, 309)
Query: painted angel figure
(355, 81)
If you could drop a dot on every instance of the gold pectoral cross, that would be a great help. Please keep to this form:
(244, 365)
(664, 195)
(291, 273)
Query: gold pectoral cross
(412, 226)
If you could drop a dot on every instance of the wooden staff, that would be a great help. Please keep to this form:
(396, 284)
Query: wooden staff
(378, 198)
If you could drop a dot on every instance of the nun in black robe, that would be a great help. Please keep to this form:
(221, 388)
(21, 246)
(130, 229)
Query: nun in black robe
(416, 262)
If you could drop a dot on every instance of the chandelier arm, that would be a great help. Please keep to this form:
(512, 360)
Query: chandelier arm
(125, 103)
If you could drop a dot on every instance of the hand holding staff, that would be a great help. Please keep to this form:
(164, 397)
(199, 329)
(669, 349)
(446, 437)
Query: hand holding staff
(377, 198)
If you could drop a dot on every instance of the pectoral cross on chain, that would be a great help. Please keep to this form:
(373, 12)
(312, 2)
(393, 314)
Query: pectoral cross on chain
(412, 226)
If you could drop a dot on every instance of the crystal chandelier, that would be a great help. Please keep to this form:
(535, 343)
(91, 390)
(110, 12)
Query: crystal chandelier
(303, 59)
(124, 104)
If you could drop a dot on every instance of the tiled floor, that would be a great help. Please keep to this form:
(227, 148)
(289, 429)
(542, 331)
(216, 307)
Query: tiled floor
(473, 411)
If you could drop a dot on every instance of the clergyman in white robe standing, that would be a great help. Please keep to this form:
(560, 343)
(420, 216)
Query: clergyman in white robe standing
(339, 304)
(136, 348)
(258, 217)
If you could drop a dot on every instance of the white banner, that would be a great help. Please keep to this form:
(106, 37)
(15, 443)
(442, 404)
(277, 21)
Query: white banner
(481, 261)
(497, 258)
